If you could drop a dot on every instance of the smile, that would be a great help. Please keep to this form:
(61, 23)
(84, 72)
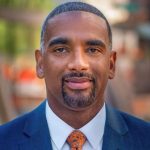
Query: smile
(78, 83)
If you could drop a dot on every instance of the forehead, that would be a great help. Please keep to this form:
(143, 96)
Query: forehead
(77, 13)
(77, 21)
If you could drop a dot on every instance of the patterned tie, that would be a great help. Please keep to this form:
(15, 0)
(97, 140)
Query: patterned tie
(76, 140)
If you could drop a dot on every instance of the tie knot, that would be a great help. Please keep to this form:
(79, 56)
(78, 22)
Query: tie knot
(76, 140)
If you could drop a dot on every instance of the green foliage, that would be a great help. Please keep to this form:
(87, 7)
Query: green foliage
(17, 37)
(27, 4)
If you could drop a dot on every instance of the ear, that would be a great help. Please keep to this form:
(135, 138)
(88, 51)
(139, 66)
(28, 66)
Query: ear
(112, 65)
(39, 64)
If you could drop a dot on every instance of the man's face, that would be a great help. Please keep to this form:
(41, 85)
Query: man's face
(76, 62)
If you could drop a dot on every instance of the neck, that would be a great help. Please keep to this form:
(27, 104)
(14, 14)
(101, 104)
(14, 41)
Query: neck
(76, 118)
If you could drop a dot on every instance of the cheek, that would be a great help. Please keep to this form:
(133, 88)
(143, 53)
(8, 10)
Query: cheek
(101, 72)
(101, 66)
(53, 71)
(53, 81)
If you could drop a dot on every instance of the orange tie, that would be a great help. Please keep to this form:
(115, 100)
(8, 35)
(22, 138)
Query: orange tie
(76, 140)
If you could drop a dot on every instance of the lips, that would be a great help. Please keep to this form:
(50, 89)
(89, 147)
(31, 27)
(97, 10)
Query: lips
(78, 83)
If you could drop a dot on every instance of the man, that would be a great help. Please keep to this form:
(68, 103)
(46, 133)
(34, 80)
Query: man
(76, 62)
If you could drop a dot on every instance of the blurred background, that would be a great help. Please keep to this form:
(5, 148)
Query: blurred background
(20, 25)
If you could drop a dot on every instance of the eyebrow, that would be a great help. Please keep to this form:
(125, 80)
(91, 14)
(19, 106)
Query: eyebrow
(58, 40)
(95, 43)
(63, 40)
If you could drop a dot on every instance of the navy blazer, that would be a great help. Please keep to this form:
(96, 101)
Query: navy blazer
(30, 132)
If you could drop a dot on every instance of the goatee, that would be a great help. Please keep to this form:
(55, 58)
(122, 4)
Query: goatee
(78, 99)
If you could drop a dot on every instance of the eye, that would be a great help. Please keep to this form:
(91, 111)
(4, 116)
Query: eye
(93, 50)
(60, 50)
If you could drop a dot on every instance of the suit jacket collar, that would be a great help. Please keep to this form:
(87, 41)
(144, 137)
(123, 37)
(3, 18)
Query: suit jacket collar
(115, 131)
(36, 131)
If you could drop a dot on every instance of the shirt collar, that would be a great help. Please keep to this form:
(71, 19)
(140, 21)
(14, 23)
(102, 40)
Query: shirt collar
(93, 130)
(57, 127)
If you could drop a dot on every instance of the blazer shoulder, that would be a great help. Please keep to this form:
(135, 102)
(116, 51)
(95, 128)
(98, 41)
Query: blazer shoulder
(122, 122)
(132, 120)
(125, 131)
(14, 128)
(137, 125)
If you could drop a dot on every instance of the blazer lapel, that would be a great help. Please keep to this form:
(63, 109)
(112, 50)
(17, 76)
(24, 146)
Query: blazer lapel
(37, 137)
(115, 131)
(36, 131)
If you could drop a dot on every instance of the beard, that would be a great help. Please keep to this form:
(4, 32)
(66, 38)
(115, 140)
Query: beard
(78, 98)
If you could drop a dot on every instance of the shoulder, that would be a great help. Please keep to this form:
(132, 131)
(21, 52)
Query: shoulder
(128, 120)
(130, 131)
(122, 122)
(136, 123)
(138, 129)
(14, 129)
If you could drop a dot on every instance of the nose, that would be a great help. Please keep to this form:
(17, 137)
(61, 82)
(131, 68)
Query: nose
(78, 61)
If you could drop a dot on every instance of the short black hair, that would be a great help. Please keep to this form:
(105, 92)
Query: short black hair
(75, 6)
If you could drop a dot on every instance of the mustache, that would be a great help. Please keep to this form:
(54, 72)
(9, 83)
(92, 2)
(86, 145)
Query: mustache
(79, 75)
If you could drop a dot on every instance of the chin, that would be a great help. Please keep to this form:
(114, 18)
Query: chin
(79, 102)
